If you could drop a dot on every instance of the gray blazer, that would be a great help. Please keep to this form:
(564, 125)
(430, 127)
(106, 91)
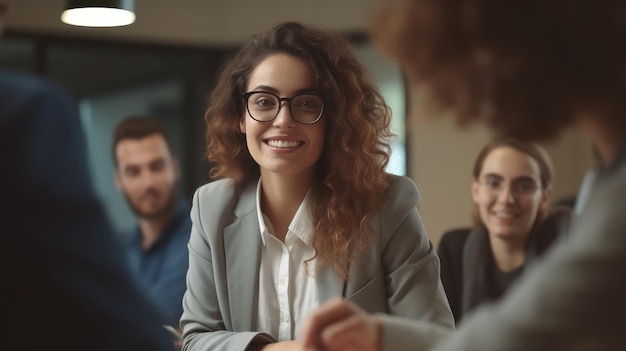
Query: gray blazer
(397, 274)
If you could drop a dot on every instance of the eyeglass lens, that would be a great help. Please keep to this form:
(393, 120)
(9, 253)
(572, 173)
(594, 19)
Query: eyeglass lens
(520, 187)
(304, 108)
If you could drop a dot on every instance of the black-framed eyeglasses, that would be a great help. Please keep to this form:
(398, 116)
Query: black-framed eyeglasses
(263, 106)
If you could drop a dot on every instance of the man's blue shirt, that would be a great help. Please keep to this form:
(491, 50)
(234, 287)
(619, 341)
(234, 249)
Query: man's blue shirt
(161, 271)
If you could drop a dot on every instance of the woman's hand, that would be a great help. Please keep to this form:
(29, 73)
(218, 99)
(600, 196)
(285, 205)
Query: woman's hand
(277, 346)
(339, 325)
(177, 336)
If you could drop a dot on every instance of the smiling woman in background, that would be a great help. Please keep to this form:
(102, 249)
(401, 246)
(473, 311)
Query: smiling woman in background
(511, 189)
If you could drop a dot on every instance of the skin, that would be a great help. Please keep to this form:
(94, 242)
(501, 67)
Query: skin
(508, 195)
(285, 150)
(147, 174)
(340, 325)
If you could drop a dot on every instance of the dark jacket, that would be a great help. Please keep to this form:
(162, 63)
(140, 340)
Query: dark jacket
(64, 282)
(467, 263)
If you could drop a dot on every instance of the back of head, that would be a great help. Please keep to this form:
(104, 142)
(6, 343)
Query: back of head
(525, 67)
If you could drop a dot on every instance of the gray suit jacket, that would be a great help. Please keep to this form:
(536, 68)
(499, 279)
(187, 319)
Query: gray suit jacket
(397, 274)
(575, 299)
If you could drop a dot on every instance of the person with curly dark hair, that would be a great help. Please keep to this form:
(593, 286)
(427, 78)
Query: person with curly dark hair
(302, 209)
(529, 69)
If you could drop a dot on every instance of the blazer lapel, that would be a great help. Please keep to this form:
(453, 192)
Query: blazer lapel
(242, 250)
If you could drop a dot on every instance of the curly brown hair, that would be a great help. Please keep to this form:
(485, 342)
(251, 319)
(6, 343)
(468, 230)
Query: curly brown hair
(350, 175)
(524, 66)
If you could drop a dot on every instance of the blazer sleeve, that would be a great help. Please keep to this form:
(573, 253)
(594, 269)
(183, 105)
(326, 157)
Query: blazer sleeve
(411, 266)
(206, 319)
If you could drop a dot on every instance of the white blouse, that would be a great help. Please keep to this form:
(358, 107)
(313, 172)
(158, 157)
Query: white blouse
(287, 287)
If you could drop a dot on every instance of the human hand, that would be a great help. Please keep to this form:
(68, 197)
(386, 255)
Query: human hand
(178, 345)
(277, 346)
(339, 325)
(176, 335)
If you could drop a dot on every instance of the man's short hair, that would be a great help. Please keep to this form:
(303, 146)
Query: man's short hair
(138, 127)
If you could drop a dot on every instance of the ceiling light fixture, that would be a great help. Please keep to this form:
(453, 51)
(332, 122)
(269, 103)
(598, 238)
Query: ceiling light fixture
(99, 13)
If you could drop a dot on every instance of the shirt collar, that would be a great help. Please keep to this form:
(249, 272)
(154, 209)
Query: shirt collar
(300, 226)
(180, 214)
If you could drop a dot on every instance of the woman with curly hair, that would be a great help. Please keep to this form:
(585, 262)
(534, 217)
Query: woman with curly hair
(303, 210)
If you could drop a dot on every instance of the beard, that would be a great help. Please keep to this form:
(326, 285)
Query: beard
(165, 210)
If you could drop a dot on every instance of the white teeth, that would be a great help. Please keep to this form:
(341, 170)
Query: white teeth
(283, 143)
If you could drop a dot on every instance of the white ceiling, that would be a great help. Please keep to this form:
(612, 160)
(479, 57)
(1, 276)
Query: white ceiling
(197, 22)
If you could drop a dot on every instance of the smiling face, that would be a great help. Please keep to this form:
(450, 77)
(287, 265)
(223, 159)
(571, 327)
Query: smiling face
(508, 192)
(283, 145)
